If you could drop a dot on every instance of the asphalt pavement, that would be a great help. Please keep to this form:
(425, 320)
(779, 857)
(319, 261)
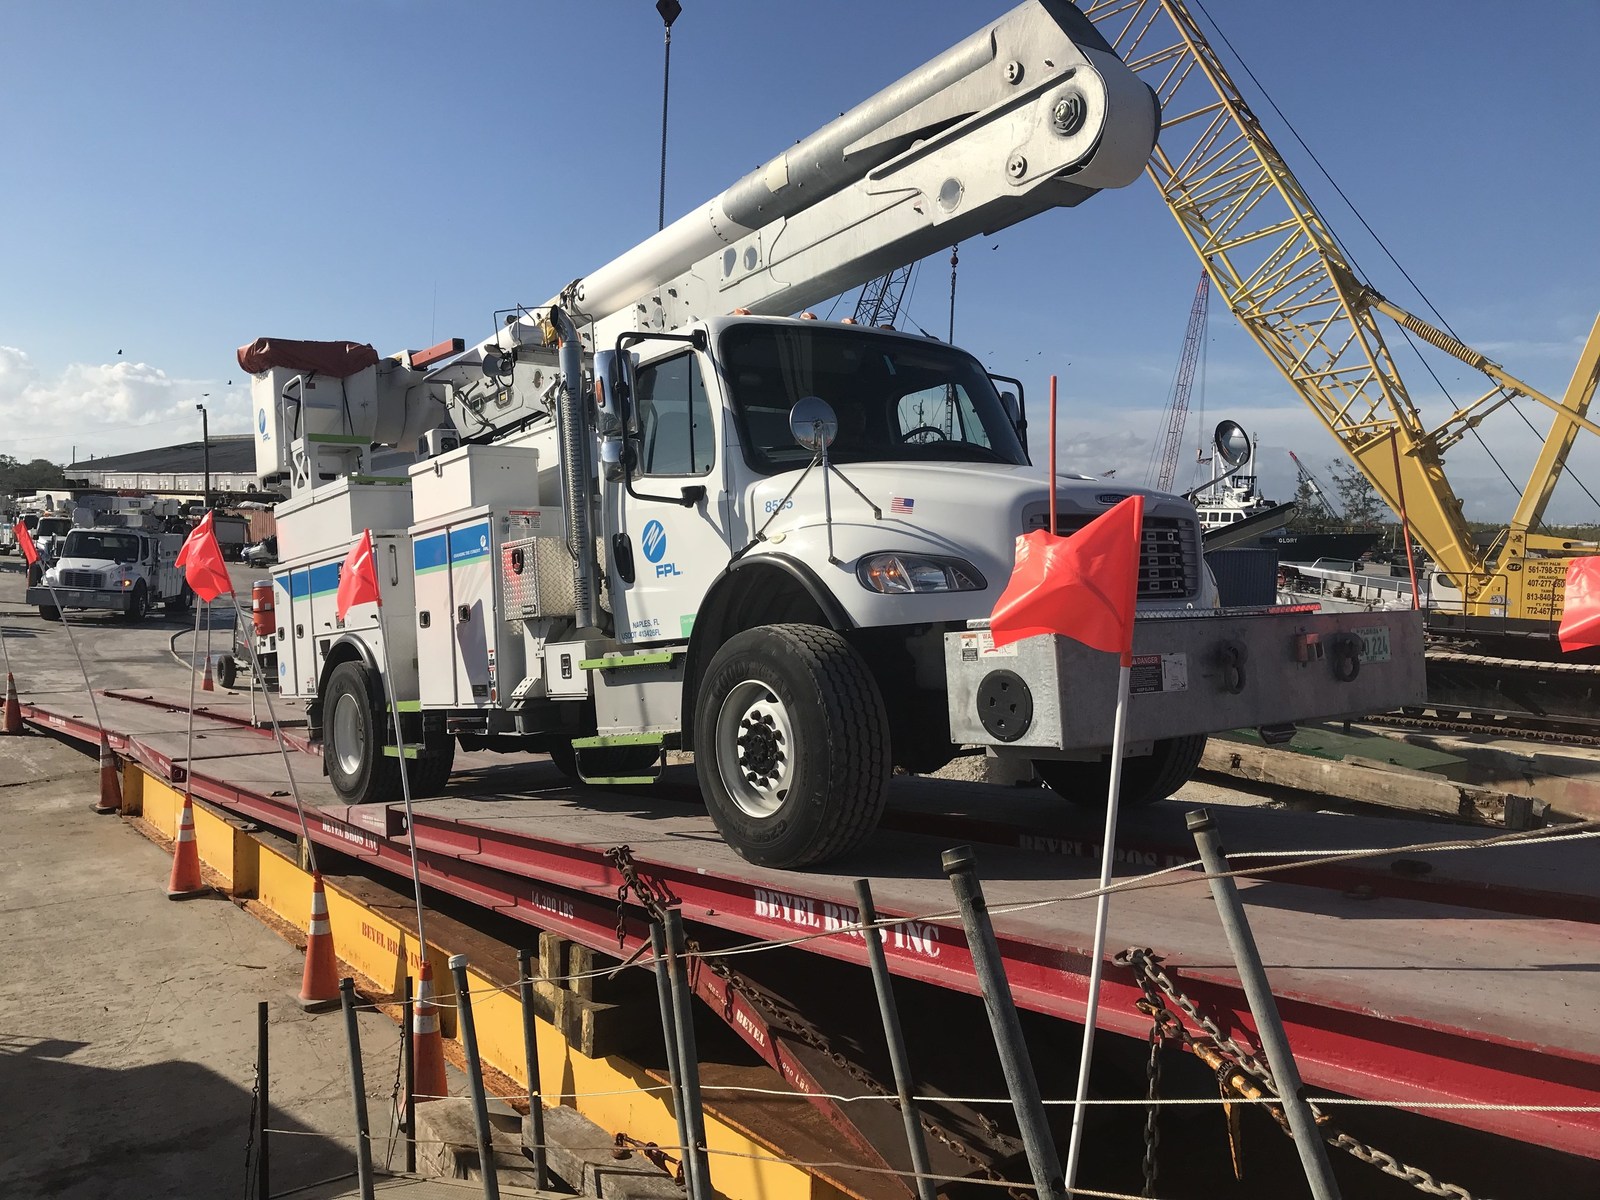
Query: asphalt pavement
(128, 1021)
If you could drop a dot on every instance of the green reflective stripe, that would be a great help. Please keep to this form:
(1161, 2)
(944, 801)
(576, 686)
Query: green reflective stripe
(650, 659)
(339, 439)
(394, 752)
(387, 480)
(408, 705)
(614, 780)
(618, 739)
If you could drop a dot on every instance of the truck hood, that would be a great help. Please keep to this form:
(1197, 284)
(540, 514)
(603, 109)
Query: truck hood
(974, 512)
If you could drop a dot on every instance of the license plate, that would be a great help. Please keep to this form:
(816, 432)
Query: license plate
(1374, 643)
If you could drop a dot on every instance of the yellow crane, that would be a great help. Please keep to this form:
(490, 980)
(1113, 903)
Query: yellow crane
(1274, 261)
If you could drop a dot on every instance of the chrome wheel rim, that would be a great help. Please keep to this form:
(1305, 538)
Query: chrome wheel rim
(755, 749)
(349, 735)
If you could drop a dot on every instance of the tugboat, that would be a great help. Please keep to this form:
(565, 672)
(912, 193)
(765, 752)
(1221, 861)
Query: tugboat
(1233, 498)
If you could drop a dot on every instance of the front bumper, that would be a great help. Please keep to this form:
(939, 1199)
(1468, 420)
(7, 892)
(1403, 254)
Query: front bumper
(1192, 674)
(61, 597)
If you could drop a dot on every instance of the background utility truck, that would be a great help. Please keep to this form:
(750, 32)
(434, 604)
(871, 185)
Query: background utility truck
(117, 560)
(678, 518)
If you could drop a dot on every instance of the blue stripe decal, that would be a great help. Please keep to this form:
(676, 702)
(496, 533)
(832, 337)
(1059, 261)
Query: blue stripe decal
(325, 578)
(300, 583)
(471, 542)
(428, 553)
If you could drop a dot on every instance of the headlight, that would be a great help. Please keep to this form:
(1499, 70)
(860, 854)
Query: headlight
(895, 574)
(127, 583)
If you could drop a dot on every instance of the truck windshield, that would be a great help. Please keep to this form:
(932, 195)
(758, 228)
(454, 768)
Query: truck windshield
(53, 527)
(897, 399)
(102, 547)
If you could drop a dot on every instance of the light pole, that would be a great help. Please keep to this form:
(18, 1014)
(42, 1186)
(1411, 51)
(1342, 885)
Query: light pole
(205, 443)
(669, 10)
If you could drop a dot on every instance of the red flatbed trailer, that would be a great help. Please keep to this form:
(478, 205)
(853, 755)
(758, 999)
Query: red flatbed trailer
(1389, 991)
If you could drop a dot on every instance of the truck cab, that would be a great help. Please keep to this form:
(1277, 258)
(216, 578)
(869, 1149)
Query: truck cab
(113, 569)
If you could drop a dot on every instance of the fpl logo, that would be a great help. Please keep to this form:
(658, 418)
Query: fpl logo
(654, 543)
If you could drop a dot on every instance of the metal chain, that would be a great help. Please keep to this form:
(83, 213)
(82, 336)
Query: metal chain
(625, 1145)
(1152, 1095)
(1156, 983)
(652, 894)
(250, 1140)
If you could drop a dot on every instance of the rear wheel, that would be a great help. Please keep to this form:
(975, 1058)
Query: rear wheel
(354, 735)
(791, 745)
(227, 671)
(180, 602)
(1145, 779)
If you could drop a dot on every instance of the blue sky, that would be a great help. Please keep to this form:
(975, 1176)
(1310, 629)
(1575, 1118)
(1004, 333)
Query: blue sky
(185, 177)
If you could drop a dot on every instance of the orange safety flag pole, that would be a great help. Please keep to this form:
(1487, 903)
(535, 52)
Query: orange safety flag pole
(203, 566)
(358, 577)
(1580, 614)
(1084, 587)
(30, 552)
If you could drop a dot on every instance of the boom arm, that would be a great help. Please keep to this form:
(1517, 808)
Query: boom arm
(1030, 113)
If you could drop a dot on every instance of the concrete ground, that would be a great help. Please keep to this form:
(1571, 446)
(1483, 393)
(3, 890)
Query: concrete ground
(128, 1021)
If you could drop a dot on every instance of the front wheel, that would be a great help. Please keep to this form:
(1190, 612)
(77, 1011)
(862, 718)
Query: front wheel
(791, 745)
(355, 733)
(138, 603)
(1145, 779)
(49, 612)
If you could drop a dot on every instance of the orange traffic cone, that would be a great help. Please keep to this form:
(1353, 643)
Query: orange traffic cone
(206, 682)
(110, 786)
(319, 986)
(13, 718)
(427, 1044)
(185, 882)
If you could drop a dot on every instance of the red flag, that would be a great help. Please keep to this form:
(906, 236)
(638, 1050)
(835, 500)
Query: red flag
(1084, 586)
(30, 552)
(358, 578)
(1580, 618)
(202, 562)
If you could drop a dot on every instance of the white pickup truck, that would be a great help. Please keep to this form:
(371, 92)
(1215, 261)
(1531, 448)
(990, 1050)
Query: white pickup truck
(117, 570)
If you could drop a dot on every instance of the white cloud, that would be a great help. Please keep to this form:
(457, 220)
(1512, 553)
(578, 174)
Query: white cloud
(107, 408)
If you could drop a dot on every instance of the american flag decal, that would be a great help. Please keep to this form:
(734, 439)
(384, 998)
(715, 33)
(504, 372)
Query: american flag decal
(902, 505)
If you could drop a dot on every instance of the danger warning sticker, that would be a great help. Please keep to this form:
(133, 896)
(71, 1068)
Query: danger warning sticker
(1158, 673)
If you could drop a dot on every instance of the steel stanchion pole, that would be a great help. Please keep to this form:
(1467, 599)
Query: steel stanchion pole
(895, 1036)
(1043, 1160)
(530, 1039)
(263, 1103)
(699, 1166)
(407, 1050)
(669, 1033)
(480, 1102)
(358, 1088)
(1247, 958)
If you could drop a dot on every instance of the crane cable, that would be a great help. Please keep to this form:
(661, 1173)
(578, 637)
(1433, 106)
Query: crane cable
(1343, 249)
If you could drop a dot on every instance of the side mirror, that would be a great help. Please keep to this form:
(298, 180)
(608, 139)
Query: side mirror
(613, 392)
(1013, 410)
(813, 423)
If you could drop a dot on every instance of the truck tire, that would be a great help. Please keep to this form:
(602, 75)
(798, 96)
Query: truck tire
(791, 745)
(180, 602)
(354, 732)
(1145, 779)
(138, 604)
(431, 773)
(49, 612)
(227, 672)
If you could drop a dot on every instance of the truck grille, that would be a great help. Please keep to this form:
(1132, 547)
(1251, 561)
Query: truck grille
(1169, 556)
(80, 579)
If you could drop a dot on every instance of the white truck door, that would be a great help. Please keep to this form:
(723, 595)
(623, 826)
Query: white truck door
(674, 550)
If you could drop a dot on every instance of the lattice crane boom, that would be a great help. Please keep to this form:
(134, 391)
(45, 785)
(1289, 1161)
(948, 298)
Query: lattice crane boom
(1178, 410)
(1281, 272)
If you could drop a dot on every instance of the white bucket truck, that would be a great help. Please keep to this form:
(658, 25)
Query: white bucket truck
(117, 557)
(676, 518)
